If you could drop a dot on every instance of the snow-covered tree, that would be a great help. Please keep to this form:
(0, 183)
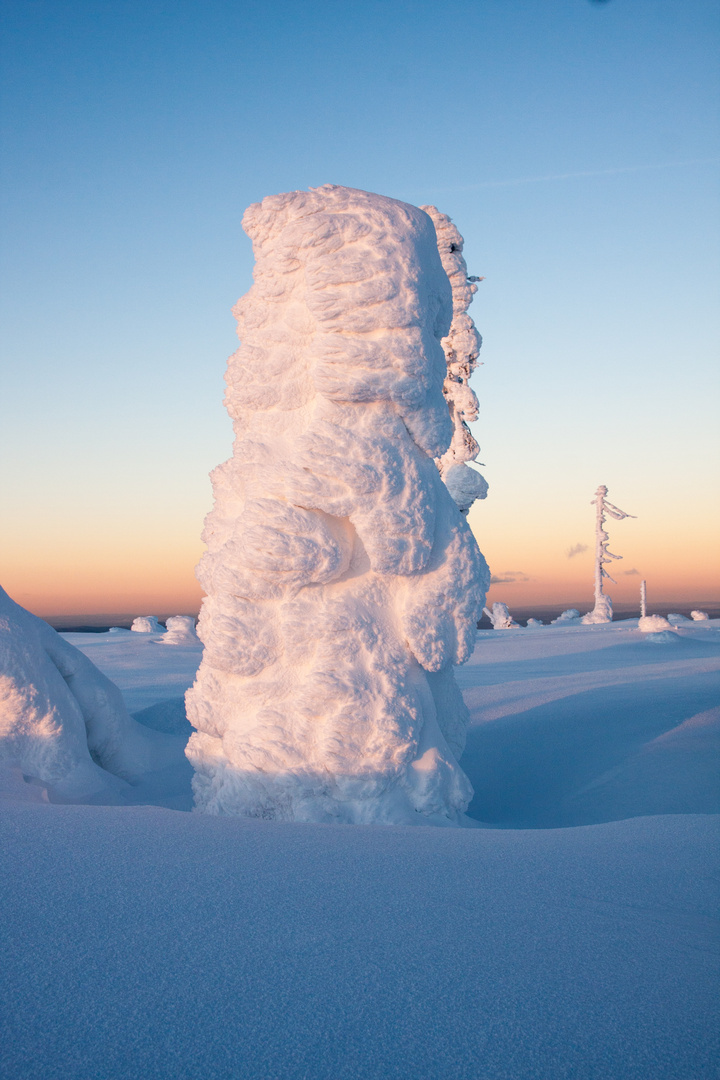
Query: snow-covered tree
(343, 582)
(643, 599)
(500, 616)
(602, 612)
(461, 346)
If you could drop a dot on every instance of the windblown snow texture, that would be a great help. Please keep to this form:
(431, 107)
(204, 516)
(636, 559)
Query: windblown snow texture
(461, 346)
(343, 582)
(63, 723)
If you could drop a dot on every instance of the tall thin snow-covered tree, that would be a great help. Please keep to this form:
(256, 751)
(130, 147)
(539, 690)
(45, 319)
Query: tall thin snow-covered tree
(461, 346)
(343, 583)
(603, 611)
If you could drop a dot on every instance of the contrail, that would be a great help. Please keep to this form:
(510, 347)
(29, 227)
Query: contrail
(575, 175)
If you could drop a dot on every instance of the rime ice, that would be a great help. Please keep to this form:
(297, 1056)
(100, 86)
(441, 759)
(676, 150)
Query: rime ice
(461, 346)
(343, 582)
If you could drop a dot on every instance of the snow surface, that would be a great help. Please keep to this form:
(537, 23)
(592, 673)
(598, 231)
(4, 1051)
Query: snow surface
(342, 581)
(574, 938)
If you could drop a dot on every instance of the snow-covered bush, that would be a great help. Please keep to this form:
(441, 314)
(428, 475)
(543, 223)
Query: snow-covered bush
(147, 624)
(570, 615)
(343, 583)
(461, 346)
(534, 624)
(500, 616)
(652, 624)
(62, 722)
(180, 631)
(699, 616)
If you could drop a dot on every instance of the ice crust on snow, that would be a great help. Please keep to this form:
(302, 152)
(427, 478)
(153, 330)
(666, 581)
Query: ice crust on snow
(343, 582)
(147, 624)
(63, 724)
(461, 346)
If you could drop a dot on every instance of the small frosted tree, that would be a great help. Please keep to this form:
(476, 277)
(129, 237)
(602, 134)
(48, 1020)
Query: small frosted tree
(602, 612)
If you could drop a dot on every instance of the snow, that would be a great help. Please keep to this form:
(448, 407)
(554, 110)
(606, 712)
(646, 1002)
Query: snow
(461, 346)
(343, 583)
(651, 624)
(500, 616)
(63, 724)
(180, 631)
(699, 616)
(568, 616)
(571, 936)
(146, 624)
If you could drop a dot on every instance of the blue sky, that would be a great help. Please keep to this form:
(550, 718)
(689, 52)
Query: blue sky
(574, 143)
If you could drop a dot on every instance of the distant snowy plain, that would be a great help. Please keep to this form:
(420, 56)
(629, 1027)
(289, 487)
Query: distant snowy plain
(571, 934)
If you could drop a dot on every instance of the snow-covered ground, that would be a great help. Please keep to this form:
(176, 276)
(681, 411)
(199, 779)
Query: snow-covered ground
(572, 938)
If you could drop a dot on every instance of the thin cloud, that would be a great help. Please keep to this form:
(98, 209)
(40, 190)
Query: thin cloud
(518, 180)
(508, 577)
(630, 573)
(576, 549)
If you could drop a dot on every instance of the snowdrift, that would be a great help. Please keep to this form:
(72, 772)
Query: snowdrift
(63, 724)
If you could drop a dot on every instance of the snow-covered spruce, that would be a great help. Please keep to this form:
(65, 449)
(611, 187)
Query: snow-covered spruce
(343, 582)
(63, 724)
(570, 615)
(180, 631)
(147, 624)
(603, 611)
(500, 616)
(461, 346)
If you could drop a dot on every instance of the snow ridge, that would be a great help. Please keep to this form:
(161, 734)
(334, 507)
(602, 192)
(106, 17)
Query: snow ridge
(343, 582)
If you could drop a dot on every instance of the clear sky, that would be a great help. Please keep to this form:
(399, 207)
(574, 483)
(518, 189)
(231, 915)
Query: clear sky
(574, 143)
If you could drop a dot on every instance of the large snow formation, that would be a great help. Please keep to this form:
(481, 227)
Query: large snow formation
(63, 724)
(461, 346)
(343, 582)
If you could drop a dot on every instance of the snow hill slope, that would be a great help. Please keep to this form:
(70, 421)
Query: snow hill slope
(576, 937)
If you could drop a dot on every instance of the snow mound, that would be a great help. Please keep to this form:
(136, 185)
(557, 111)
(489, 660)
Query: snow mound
(651, 624)
(343, 582)
(147, 624)
(534, 624)
(180, 631)
(676, 619)
(570, 615)
(661, 637)
(699, 616)
(63, 724)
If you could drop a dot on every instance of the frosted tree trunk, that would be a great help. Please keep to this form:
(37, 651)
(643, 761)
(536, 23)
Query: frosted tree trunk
(342, 581)
(603, 612)
(461, 346)
(643, 599)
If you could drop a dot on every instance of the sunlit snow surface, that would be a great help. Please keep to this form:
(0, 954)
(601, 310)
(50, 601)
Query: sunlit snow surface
(574, 938)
